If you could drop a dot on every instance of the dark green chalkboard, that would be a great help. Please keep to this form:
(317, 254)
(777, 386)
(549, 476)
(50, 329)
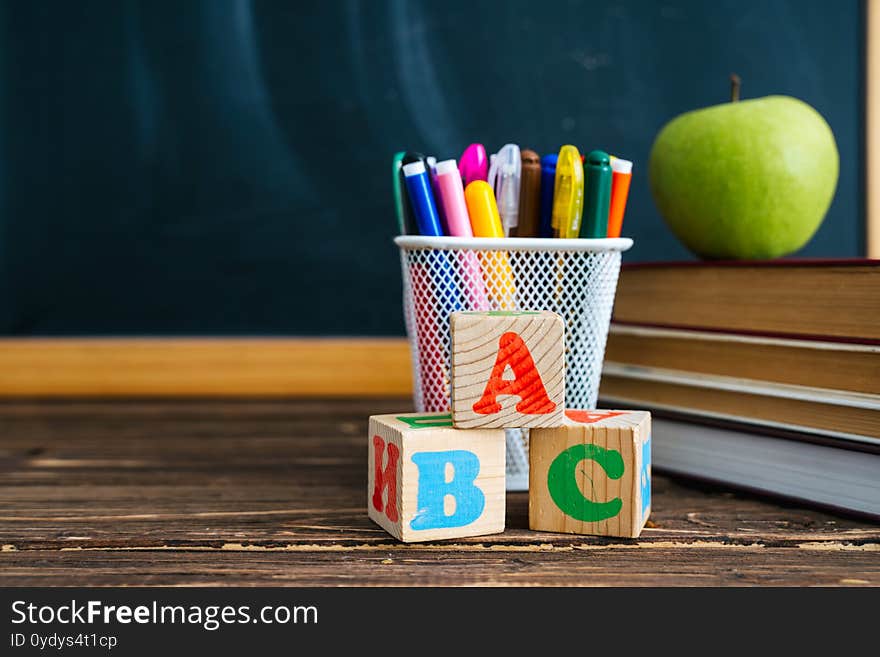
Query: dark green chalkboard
(222, 167)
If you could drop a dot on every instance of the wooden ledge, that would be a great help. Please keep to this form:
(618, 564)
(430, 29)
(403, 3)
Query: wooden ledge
(205, 367)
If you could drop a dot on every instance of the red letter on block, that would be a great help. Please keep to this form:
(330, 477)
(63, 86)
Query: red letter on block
(588, 417)
(527, 385)
(386, 478)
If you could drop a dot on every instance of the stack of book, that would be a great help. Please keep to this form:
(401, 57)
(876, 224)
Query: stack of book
(765, 375)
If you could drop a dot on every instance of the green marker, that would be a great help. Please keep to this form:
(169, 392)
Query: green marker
(597, 172)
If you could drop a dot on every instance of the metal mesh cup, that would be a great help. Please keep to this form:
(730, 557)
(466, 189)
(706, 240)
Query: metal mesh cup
(576, 278)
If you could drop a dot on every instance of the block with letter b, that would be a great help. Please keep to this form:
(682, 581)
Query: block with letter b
(429, 481)
(508, 369)
(592, 475)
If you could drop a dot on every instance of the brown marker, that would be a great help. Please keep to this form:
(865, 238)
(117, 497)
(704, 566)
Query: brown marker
(529, 196)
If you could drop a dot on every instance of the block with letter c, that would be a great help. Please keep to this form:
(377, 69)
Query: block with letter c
(592, 475)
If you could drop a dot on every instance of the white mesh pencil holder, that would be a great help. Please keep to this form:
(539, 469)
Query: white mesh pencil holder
(576, 278)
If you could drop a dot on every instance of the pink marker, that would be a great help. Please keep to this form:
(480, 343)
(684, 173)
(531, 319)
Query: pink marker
(474, 164)
(450, 197)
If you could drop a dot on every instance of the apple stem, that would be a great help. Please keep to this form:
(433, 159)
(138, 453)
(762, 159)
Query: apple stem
(735, 83)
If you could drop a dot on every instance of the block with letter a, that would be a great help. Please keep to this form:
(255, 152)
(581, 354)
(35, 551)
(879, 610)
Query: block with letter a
(592, 475)
(508, 369)
(429, 481)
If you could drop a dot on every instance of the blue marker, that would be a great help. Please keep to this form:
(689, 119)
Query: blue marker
(548, 181)
(419, 187)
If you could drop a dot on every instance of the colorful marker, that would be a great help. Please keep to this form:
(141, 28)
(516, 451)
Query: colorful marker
(450, 197)
(408, 158)
(418, 186)
(431, 166)
(483, 210)
(529, 196)
(406, 220)
(568, 193)
(548, 182)
(621, 171)
(486, 222)
(598, 195)
(504, 179)
(474, 164)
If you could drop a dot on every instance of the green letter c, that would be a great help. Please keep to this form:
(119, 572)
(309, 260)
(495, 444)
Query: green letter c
(565, 491)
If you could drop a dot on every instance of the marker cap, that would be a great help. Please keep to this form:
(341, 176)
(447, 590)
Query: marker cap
(505, 176)
(446, 166)
(598, 158)
(474, 163)
(568, 197)
(621, 166)
(413, 168)
(530, 158)
(483, 210)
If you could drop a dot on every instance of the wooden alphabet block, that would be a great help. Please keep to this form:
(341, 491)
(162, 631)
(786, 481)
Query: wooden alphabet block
(429, 481)
(508, 369)
(592, 475)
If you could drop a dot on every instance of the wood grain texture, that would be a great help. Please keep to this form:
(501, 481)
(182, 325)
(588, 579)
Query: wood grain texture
(205, 367)
(265, 493)
(629, 391)
(838, 366)
(786, 298)
(412, 442)
(478, 347)
(594, 484)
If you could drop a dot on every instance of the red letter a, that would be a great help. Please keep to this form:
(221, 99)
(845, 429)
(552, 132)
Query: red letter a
(386, 478)
(527, 385)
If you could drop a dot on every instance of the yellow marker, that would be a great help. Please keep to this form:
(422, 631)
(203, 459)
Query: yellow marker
(483, 210)
(568, 193)
(486, 222)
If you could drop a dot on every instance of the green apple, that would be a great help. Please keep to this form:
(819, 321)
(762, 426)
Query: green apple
(750, 179)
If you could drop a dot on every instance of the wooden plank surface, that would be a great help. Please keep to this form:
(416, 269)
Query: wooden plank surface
(273, 493)
(204, 367)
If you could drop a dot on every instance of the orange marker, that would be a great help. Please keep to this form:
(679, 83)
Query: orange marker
(621, 175)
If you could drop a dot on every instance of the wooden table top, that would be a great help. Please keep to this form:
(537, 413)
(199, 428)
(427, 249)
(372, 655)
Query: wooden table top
(274, 493)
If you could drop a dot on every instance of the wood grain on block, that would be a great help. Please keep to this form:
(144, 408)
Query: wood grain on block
(429, 481)
(508, 369)
(592, 475)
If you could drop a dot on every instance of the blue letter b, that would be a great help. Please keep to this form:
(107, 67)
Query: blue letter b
(433, 489)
